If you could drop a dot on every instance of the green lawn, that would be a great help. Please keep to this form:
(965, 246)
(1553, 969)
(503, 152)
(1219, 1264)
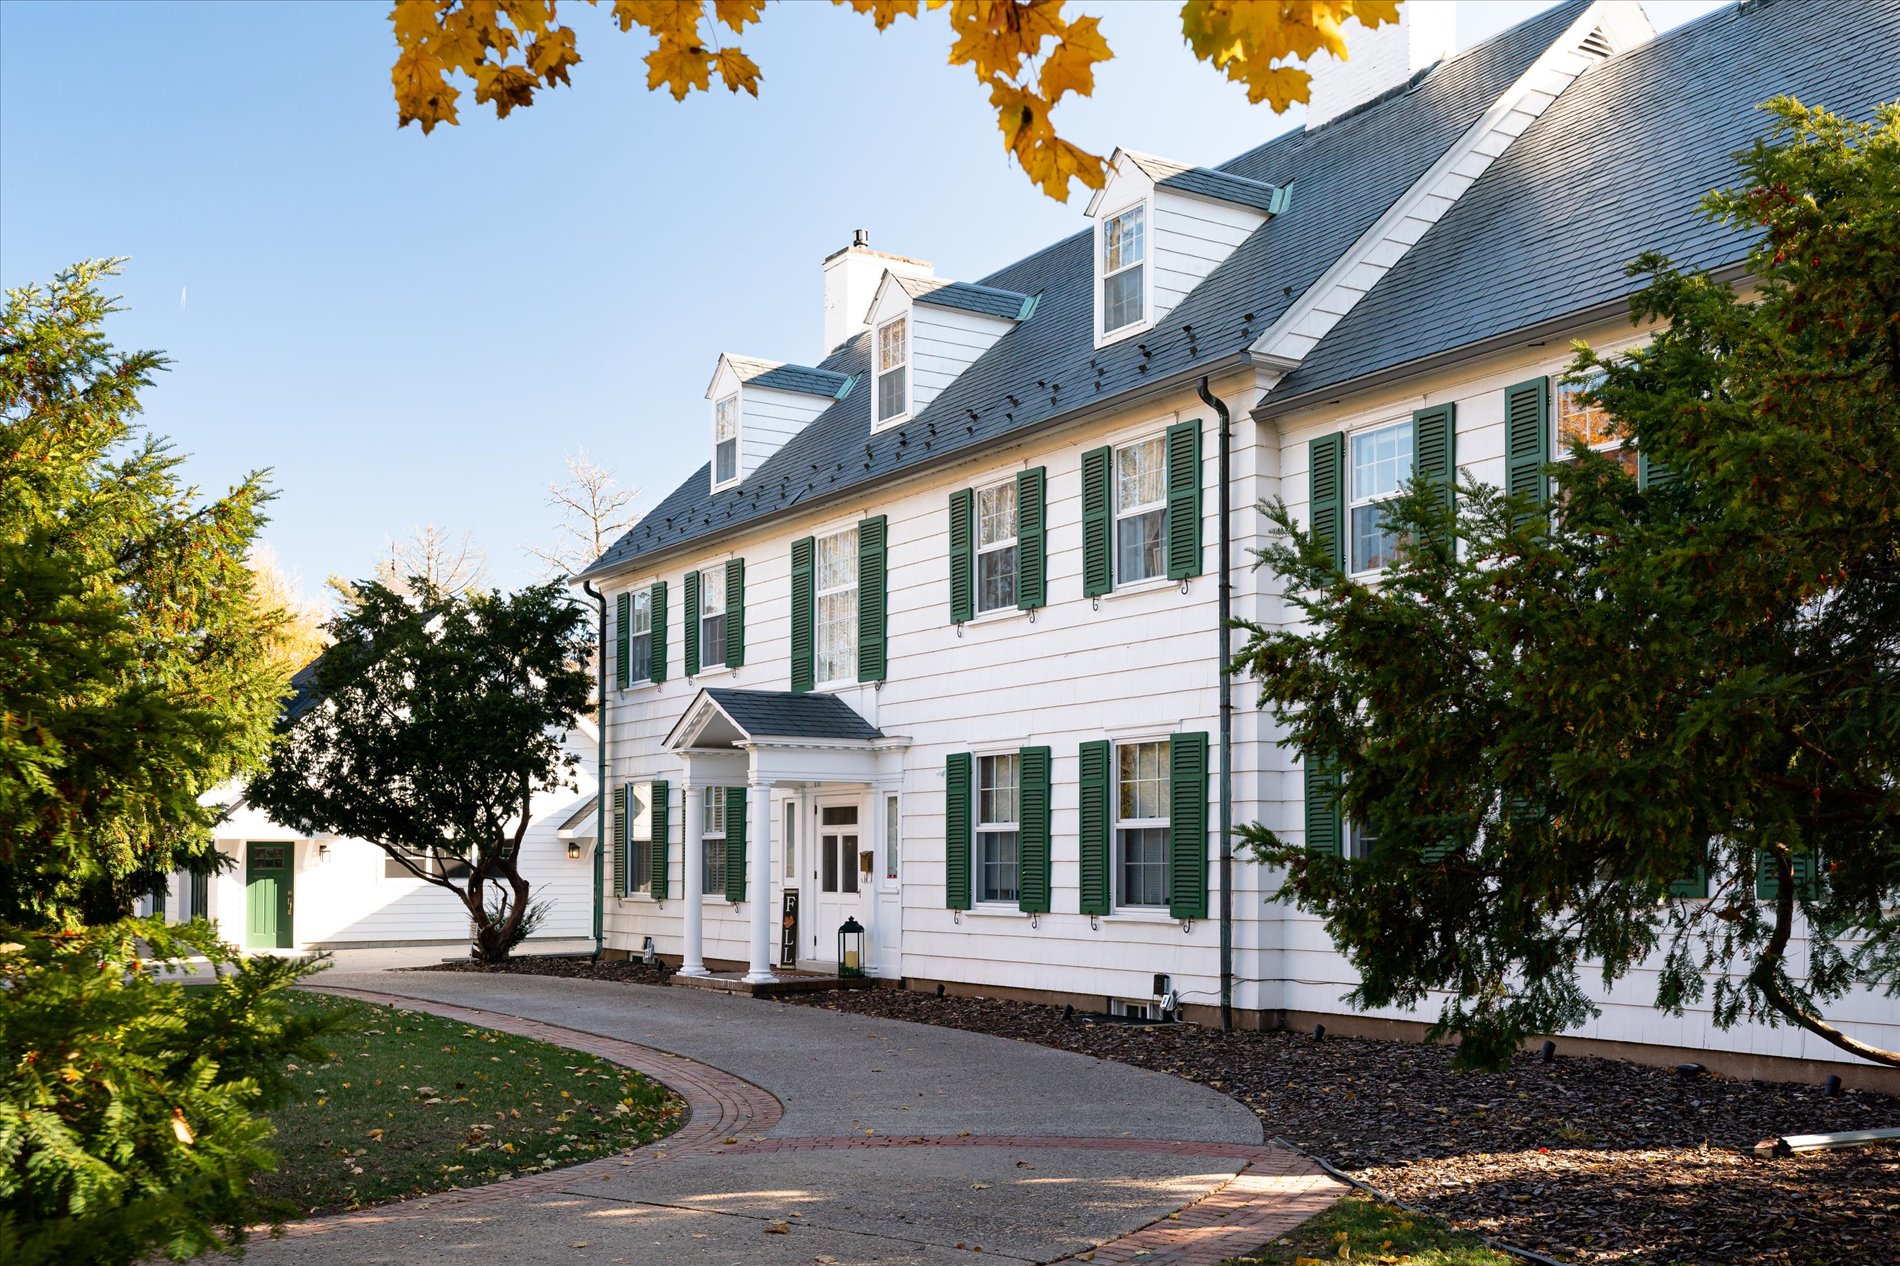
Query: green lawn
(413, 1103)
(1361, 1230)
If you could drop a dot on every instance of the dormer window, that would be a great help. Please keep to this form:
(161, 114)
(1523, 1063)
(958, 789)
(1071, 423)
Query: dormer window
(1124, 256)
(893, 361)
(726, 440)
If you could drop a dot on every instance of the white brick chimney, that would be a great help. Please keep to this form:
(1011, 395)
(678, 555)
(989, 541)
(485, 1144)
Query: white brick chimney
(851, 277)
(1380, 59)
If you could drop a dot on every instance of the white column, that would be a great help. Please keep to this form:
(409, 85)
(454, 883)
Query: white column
(759, 886)
(693, 961)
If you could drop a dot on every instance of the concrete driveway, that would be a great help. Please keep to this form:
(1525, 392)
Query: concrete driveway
(821, 1137)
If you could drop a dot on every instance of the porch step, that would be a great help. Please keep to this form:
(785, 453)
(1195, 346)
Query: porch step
(788, 982)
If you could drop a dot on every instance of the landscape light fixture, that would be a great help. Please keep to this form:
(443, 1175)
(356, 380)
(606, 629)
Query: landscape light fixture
(850, 948)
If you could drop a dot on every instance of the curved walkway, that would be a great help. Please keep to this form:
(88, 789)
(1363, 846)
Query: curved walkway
(815, 1136)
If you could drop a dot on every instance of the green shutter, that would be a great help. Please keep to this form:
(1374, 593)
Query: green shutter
(1032, 538)
(962, 555)
(1435, 449)
(1187, 826)
(1323, 834)
(658, 861)
(1768, 878)
(1326, 493)
(735, 844)
(1527, 439)
(872, 584)
(689, 631)
(659, 632)
(1092, 785)
(956, 831)
(623, 616)
(1097, 577)
(735, 612)
(1652, 474)
(623, 827)
(1183, 516)
(804, 612)
(1033, 834)
(1693, 884)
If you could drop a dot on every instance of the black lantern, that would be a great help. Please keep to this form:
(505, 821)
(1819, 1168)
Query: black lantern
(851, 948)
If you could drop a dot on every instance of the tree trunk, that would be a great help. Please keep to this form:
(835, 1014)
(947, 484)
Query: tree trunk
(1767, 973)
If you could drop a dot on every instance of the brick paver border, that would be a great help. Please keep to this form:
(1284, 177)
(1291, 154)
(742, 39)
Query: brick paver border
(1275, 1190)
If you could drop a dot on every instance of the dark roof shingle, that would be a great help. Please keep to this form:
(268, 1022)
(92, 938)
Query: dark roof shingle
(782, 714)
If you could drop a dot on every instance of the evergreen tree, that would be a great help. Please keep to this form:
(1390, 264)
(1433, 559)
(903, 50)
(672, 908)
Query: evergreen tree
(1642, 719)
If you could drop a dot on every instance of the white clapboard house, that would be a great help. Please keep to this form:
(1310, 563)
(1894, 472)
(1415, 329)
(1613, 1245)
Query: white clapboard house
(931, 641)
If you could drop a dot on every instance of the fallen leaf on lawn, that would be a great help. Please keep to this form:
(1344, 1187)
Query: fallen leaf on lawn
(376, 1133)
(778, 1228)
(578, 1244)
(731, 1140)
(979, 1186)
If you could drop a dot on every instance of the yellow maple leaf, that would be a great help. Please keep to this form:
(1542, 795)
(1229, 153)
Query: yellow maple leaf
(883, 13)
(738, 13)
(1070, 67)
(737, 70)
(679, 67)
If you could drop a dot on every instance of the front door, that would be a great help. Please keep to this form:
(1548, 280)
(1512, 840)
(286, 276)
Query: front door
(267, 890)
(835, 878)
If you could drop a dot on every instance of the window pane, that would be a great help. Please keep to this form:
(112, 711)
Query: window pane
(997, 782)
(1359, 840)
(838, 561)
(1590, 423)
(890, 393)
(726, 461)
(726, 418)
(831, 863)
(997, 865)
(1138, 546)
(713, 866)
(996, 579)
(890, 344)
(1381, 460)
(712, 811)
(712, 591)
(712, 641)
(1143, 871)
(1122, 243)
(995, 515)
(642, 609)
(1121, 299)
(1141, 775)
(640, 657)
(848, 864)
(1372, 545)
(837, 636)
(890, 837)
(1141, 477)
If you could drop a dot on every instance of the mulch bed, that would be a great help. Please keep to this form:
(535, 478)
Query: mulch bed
(1586, 1160)
(629, 970)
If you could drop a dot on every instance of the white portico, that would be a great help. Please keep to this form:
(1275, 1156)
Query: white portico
(783, 790)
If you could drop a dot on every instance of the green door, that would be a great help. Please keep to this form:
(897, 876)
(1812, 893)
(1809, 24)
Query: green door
(267, 893)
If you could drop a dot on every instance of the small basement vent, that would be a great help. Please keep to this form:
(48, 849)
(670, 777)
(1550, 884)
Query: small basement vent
(1135, 1010)
(1596, 44)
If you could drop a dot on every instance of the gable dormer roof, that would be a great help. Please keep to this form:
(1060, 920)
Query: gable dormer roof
(779, 376)
(1199, 182)
(1007, 305)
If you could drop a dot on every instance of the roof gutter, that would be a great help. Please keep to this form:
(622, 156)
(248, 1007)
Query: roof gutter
(1275, 406)
(600, 776)
(1181, 380)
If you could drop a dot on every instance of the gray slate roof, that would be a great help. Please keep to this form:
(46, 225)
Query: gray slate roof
(1224, 187)
(1615, 166)
(982, 300)
(1348, 173)
(801, 378)
(782, 714)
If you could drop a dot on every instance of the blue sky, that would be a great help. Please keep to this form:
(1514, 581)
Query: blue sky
(414, 329)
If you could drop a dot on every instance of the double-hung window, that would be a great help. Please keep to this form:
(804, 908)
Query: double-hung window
(1381, 462)
(998, 835)
(712, 617)
(639, 840)
(726, 440)
(712, 841)
(640, 637)
(1124, 252)
(1360, 840)
(996, 547)
(1590, 424)
(835, 639)
(1141, 494)
(893, 361)
(1141, 824)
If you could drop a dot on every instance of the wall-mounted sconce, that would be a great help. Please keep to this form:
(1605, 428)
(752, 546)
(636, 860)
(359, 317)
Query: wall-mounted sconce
(573, 850)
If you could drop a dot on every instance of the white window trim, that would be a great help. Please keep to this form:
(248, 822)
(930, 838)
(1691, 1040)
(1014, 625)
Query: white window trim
(725, 613)
(817, 597)
(996, 905)
(977, 549)
(1116, 823)
(910, 369)
(738, 442)
(1352, 503)
(1116, 512)
(1147, 322)
(892, 808)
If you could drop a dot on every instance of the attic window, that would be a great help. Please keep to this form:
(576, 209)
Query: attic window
(893, 355)
(726, 440)
(1124, 249)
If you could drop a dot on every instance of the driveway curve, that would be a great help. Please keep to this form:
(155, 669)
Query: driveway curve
(819, 1136)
